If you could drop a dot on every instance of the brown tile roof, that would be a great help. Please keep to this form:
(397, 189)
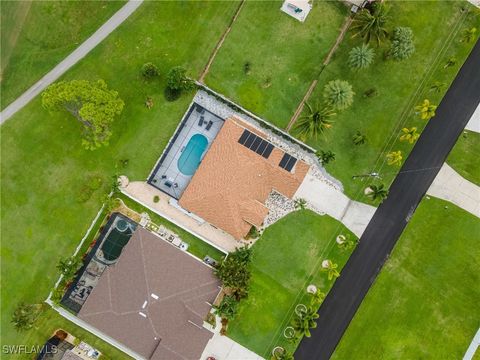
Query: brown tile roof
(172, 328)
(231, 185)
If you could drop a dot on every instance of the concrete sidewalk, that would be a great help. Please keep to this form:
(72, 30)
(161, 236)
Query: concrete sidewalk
(325, 198)
(118, 18)
(450, 186)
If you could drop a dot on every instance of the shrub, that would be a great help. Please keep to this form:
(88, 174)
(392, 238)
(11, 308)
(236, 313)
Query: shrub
(326, 157)
(227, 308)
(68, 267)
(156, 199)
(177, 80)
(253, 233)
(234, 272)
(361, 57)
(149, 71)
(372, 92)
(402, 44)
(359, 138)
(247, 68)
(25, 316)
(338, 94)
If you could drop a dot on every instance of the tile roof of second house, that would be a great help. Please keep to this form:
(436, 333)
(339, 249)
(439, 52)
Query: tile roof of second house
(232, 183)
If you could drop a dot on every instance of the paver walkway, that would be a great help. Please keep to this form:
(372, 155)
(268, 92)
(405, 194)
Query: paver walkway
(325, 198)
(144, 194)
(118, 18)
(451, 186)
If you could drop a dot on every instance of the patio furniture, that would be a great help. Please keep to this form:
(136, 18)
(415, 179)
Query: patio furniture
(209, 125)
(168, 183)
(200, 121)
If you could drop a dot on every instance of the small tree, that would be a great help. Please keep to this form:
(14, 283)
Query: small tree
(25, 315)
(394, 158)
(377, 192)
(370, 24)
(227, 308)
(149, 71)
(338, 94)
(348, 243)
(426, 110)
(409, 135)
(69, 266)
(306, 321)
(402, 43)
(283, 355)
(177, 79)
(438, 87)
(468, 35)
(359, 138)
(326, 157)
(90, 102)
(360, 57)
(331, 269)
(315, 122)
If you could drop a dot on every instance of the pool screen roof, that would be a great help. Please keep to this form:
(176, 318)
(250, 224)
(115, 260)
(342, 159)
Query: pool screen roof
(234, 179)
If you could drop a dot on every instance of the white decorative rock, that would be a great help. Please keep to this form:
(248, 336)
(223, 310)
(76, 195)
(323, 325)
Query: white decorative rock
(325, 264)
(312, 289)
(123, 181)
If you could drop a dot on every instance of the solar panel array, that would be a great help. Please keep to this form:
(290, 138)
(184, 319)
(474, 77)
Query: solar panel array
(287, 162)
(256, 143)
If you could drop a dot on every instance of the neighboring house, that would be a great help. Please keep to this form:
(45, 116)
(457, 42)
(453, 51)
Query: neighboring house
(154, 300)
(236, 176)
(298, 9)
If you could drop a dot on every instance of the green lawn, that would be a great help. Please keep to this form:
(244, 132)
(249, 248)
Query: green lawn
(37, 35)
(196, 246)
(464, 156)
(285, 56)
(44, 168)
(399, 85)
(286, 260)
(424, 304)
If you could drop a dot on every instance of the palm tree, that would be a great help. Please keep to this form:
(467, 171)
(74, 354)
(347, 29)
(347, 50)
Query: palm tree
(438, 87)
(338, 94)
(305, 322)
(409, 135)
(331, 269)
(370, 25)
(282, 354)
(300, 204)
(360, 57)
(325, 156)
(394, 158)
(315, 122)
(469, 35)
(69, 266)
(376, 192)
(317, 297)
(426, 110)
(359, 138)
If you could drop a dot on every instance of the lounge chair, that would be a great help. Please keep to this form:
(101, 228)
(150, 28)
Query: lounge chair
(209, 125)
(200, 121)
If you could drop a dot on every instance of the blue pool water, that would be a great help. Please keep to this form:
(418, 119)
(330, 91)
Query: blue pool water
(192, 154)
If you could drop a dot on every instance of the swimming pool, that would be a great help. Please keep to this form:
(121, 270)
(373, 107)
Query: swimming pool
(192, 154)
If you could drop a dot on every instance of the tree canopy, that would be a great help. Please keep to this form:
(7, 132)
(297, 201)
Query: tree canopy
(90, 102)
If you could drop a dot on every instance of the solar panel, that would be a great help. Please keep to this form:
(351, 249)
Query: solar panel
(250, 140)
(268, 151)
(284, 160)
(244, 137)
(256, 143)
(291, 163)
(261, 147)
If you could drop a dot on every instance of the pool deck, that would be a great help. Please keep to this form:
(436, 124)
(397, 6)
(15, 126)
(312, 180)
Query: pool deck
(144, 193)
(167, 176)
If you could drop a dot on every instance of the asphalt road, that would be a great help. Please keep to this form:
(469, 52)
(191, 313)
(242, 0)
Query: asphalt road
(79, 53)
(391, 218)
